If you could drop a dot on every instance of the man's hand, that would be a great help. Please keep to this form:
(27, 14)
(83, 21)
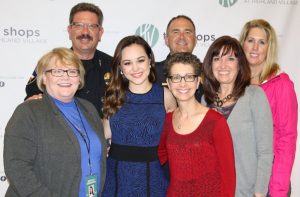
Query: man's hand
(34, 97)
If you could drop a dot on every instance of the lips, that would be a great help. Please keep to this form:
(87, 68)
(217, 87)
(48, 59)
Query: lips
(183, 91)
(137, 75)
(182, 42)
(64, 84)
(223, 72)
(84, 40)
(254, 54)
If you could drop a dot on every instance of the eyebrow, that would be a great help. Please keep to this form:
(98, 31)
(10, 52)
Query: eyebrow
(134, 59)
(179, 28)
(256, 38)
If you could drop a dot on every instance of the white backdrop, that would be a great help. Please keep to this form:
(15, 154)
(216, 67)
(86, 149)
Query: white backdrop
(28, 29)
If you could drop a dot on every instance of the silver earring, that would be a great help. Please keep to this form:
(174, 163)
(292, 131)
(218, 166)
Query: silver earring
(121, 72)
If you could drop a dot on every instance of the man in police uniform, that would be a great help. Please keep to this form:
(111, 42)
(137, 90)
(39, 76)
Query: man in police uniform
(85, 31)
(180, 37)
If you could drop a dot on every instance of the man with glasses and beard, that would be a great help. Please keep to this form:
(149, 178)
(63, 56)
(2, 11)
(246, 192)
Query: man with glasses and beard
(85, 32)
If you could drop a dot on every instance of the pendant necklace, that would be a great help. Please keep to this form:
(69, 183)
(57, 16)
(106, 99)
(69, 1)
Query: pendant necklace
(179, 126)
(220, 102)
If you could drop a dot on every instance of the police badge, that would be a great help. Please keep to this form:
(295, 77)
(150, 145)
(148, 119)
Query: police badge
(107, 77)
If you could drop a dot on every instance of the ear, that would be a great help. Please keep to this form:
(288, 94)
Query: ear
(166, 40)
(199, 81)
(44, 79)
(101, 31)
(195, 44)
(168, 83)
(69, 31)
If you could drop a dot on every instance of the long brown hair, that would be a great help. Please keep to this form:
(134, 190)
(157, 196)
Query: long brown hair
(211, 86)
(116, 90)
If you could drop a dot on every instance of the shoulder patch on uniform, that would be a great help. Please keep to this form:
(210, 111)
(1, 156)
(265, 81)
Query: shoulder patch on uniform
(32, 78)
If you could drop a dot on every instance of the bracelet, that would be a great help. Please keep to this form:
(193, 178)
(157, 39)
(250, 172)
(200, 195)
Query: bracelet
(108, 142)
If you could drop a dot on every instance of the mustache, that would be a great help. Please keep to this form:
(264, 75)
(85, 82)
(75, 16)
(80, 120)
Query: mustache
(85, 36)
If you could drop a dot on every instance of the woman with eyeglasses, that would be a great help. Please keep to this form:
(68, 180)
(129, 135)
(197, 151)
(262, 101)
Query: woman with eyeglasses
(227, 89)
(55, 146)
(196, 141)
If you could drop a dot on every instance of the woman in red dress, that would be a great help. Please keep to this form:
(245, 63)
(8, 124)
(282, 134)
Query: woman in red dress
(196, 141)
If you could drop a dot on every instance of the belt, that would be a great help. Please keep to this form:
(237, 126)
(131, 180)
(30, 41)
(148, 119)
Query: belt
(133, 153)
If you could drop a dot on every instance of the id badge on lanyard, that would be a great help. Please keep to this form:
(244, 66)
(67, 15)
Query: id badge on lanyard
(91, 185)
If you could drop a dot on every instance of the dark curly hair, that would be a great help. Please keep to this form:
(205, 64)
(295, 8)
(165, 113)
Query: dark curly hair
(184, 58)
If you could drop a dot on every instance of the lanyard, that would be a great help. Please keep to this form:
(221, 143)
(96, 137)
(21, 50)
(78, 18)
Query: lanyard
(84, 135)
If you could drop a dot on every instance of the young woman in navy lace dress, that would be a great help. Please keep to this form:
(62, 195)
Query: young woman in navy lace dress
(134, 111)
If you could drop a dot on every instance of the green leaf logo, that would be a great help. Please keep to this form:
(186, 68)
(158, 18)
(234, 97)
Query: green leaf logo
(227, 3)
(149, 32)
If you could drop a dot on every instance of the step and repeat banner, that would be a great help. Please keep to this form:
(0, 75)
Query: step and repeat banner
(28, 29)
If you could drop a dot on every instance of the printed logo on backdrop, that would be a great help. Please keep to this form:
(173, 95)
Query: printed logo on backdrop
(18, 35)
(274, 2)
(2, 178)
(227, 3)
(2, 84)
(149, 32)
(205, 40)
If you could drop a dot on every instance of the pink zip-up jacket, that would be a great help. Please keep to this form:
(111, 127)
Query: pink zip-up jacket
(282, 98)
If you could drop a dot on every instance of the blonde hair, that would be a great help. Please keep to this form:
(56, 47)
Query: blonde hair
(62, 55)
(270, 65)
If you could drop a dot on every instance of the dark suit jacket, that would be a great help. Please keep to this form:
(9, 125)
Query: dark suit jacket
(42, 154)
(160, 76)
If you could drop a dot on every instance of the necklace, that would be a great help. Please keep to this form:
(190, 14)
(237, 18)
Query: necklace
(179, 124)
(220, 102)
(255, 76)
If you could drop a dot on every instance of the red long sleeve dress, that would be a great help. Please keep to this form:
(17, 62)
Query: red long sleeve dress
(201, 163)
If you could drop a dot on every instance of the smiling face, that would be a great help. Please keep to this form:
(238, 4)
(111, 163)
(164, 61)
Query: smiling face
(135, 65)
(181, 36)
(183, 90)
(62, 88)
(256, 46)
(225, 68)
(85, 40)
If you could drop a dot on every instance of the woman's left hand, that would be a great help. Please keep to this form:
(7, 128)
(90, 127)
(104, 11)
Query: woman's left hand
(258, 195)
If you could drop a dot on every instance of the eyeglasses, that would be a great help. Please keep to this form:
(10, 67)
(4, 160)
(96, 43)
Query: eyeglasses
(60, 72)
(80, 26)
(187, 78)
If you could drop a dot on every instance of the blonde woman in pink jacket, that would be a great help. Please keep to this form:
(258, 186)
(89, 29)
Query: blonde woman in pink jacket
(259, 42)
